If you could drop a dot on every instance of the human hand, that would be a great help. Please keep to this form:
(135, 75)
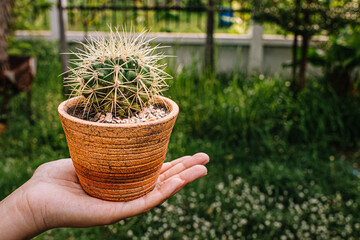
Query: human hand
(53, 197)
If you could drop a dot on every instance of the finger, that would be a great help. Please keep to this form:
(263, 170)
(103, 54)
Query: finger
(163, 191)
(168, 165)
(117, 211)
(190, 175)
(187, 162)
(152, 199)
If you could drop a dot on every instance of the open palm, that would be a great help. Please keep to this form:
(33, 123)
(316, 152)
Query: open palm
(56, 198)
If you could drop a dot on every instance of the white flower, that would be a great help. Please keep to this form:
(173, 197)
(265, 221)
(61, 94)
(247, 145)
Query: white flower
(220, 186)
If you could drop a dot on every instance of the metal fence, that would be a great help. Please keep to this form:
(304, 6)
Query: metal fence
(157, 15)
(160, 16)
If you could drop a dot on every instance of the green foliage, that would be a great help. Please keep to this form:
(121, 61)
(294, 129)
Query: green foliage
(23, 146)
(120, 75)
(307, 18)
(339, 60)
(31, 14)
(263, 112)
(329, 16)
(281, 166)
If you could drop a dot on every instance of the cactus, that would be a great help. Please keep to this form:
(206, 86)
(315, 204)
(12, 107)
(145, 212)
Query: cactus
(120, 75)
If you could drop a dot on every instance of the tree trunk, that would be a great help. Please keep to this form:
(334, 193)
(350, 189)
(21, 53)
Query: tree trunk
(303, 61)
(294, 58)
(63, 45)
(209, 47)
(295, 42)
(5, 11)
(304, 48)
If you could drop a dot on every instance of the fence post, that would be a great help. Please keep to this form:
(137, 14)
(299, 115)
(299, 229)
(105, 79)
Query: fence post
(256, 50)
(55, 18)
(58, 20)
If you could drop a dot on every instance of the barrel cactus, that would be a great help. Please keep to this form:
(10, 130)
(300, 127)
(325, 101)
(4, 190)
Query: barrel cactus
(121, 74)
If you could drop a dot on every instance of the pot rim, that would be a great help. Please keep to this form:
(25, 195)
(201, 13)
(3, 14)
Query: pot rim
(174, 110)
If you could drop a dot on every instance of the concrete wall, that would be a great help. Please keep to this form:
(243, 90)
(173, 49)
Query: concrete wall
(233, 52)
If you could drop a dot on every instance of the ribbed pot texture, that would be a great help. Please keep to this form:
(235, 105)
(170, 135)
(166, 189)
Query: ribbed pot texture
(117, 162)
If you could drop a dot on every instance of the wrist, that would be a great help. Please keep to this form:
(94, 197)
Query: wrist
(18, 218)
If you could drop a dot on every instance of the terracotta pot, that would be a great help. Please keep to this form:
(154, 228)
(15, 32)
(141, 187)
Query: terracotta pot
(117, 162)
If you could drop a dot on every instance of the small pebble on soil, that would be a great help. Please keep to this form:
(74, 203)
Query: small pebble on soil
(150, 113)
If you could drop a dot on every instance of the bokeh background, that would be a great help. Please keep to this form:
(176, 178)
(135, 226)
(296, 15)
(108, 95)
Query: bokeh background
(269, 89)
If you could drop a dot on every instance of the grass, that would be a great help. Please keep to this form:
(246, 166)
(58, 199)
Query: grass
(282, 167)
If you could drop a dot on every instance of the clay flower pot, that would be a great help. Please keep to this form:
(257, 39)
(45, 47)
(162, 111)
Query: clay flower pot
(117, 162)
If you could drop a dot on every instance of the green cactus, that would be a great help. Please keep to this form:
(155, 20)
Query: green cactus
(120, 74)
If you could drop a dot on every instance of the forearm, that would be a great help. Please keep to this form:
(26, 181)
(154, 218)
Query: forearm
(16, 218)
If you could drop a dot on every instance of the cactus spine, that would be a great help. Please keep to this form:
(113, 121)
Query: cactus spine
(120, 74)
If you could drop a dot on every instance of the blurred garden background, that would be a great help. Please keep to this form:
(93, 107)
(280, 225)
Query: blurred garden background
(268, 89)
